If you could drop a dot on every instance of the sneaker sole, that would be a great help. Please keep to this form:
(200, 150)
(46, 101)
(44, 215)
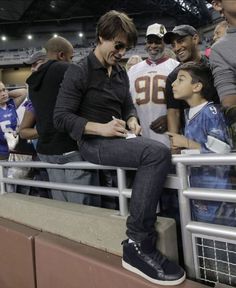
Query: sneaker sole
(164, 283)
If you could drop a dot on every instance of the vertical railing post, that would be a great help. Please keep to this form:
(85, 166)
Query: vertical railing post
(2, 184)
(123, 202)
(185, 218)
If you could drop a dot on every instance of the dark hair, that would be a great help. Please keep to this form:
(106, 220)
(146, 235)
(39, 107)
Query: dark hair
(114, 23)
(201, 73)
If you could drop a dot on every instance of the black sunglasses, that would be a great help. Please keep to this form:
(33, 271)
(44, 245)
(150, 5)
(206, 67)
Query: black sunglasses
(121, 46)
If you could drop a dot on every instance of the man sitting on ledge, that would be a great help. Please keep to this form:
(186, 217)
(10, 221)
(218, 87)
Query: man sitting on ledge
(95, 107)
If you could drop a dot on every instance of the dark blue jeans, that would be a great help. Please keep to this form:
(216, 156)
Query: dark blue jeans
(152, 160)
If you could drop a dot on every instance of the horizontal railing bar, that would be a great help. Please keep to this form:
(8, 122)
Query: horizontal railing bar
(211, 194)
(127, 193)
(211, 230)
(71, 165)
(172, 182)
(205, 159)
(107, 191)
(200, 159)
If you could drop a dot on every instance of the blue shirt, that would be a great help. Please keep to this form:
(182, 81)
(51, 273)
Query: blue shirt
(208, 121)
(8, 123)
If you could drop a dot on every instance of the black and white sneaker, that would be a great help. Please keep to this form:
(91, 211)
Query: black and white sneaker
(152, 266)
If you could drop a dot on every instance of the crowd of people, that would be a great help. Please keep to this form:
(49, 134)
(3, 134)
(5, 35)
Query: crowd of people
(174, 101)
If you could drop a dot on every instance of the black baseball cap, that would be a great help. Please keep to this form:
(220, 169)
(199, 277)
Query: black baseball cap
(181, 30)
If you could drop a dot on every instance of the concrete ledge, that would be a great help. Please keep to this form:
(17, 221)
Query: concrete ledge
(62, 263)
(96, 227)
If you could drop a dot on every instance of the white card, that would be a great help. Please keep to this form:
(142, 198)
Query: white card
(130, 135)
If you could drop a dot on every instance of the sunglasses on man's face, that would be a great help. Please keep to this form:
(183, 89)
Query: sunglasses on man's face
(121, 46)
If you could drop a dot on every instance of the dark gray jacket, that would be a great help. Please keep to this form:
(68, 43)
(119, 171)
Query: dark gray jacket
(223, 64)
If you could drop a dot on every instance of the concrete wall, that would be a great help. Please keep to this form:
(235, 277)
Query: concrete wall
(30, 258)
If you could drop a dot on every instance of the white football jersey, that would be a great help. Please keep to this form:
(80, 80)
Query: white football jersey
(147, 87)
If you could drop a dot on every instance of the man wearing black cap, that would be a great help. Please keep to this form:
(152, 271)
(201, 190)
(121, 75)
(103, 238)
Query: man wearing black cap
(180, 34)
(184, 40)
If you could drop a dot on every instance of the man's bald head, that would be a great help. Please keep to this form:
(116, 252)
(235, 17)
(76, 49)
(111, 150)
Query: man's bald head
(58, 48)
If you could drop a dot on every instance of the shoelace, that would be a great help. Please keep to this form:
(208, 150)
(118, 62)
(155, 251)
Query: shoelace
(155, 255)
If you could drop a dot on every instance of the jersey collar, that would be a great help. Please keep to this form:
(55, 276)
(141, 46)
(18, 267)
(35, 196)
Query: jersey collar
(158, 61)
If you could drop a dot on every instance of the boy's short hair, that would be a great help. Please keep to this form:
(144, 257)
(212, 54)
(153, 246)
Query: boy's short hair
(201, 73)
(114, 23)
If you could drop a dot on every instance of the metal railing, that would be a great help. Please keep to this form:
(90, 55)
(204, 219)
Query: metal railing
(185, 193)
(177, 181)
(121, 191)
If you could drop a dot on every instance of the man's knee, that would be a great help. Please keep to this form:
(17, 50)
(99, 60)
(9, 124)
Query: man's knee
(165, 153)
(159, 152)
